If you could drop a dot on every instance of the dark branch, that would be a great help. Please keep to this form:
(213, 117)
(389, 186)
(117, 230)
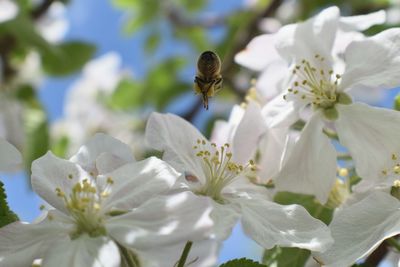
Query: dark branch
(41, 9)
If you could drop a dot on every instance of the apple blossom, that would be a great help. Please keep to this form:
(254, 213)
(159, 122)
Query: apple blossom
(104, 204)
(322, 86)
(215, 172)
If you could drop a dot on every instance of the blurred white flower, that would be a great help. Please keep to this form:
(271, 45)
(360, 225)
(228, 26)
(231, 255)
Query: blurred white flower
(30, 71)
(11, 121)
(8, 10)
(220, 173)
(104, 203)
(85, 112)
(10, 158)
(53, 25)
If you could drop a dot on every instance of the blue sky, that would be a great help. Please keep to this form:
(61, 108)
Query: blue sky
(99, 23)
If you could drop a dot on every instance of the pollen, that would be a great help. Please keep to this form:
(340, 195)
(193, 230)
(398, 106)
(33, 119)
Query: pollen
(317, 86)
(219, 168)
(83, 203)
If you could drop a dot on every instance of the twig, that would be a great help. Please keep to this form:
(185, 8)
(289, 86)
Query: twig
(185, 254)
(41, 9)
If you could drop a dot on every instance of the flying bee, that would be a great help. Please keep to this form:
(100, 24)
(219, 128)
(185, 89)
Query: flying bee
(208, 80)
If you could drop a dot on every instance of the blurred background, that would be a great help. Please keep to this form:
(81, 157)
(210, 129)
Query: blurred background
(71, 68)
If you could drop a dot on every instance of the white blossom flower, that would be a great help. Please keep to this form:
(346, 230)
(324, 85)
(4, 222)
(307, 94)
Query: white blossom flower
(53, 25)
(323, 87)
(10, 158)
(105, 204)
(220, 173)
(85, 112)
(360, 228)
(262, 53)
(8, 10)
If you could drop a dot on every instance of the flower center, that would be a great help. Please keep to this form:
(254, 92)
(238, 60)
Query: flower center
(84, 205)
(219, 168)
(317, 86)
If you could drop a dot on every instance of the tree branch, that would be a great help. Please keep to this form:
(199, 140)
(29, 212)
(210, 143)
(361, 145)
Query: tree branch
(41, 9)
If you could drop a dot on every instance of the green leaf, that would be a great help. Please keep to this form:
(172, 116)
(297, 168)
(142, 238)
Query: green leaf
(60, 147)
(152, 41)
(316, 209)
(36, 132)
(242, 263)
(6, 215)
(124, 3)
(128, 95)
(285, 257)
(396, 105)
(193, 6)
(23, 30)
(67, 58)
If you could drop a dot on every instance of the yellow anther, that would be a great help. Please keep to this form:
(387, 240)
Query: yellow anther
(343, 172)
(396, 183)
(394, 157)
(110, 180)
(42, 207)
(396, 169)
(384, 172)
(203, 142)
(70, 176)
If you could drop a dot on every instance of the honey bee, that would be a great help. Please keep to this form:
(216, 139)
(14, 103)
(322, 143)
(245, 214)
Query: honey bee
(208, 80)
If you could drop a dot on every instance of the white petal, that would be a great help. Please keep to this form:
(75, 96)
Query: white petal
(84, 251)
(306, 39)
(271, 81)
(281, 113)
(50, 172)
(360, 228)
(10, 158)
(8, 10)
(371, 135)
(103, 153)
(225, 217)
(271, 149)
(271, 224)
(378, 69)
(202, 254)
(164, 221)
(362, 22)
(176, 138)
(224, 131)
(22, 243)
(248, 133)
(259, 53)
(311, 166)
(137, 182)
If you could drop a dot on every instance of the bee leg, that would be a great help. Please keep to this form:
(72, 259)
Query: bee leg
(198, 84)
(205, 101)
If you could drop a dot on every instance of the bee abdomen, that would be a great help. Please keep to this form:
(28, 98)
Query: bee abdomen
(208, 64)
